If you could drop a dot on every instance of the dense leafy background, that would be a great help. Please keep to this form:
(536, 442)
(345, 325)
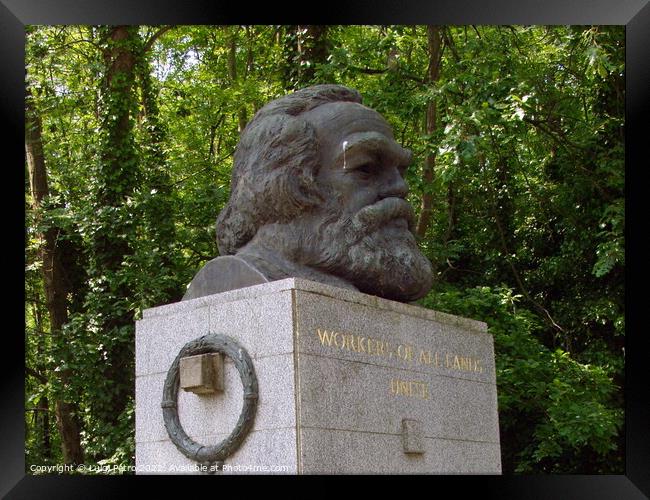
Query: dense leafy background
(518, 180)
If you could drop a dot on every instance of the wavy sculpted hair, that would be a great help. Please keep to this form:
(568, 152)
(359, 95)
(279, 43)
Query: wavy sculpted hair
(275, 166)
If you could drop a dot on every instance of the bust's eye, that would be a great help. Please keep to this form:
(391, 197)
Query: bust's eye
(365, 170)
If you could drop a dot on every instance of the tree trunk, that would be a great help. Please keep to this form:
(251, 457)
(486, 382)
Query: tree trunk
(452, 215)
(44, 401)
(433, 73)
(158, 212)
(47, 444)
(53, 276)
(304, 48)
(114, 234)
(232, 72)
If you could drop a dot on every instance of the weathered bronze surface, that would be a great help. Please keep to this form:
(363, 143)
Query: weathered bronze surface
(318, 193)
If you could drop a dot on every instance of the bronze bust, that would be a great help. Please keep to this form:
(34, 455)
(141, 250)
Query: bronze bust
(318, 193)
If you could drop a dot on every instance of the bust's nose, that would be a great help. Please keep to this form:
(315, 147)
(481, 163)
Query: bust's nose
(393, 184)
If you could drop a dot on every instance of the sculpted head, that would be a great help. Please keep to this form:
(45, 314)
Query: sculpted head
(318, 183)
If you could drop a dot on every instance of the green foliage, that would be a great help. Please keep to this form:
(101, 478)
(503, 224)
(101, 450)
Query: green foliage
(562, 414)
(527, 193)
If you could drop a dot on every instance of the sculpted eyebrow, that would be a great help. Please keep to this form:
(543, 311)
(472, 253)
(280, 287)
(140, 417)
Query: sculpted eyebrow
(374, 144)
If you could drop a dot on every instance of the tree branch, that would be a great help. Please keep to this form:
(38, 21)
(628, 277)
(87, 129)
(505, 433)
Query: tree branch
(374, 71)
(513, 268)
(446, 35)
(566, 145)
(149, 43)
(41, 378)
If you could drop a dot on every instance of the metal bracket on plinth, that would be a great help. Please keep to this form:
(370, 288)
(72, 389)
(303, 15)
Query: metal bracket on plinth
(206, 454)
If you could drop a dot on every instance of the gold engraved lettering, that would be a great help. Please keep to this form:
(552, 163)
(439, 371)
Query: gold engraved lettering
(404, 353)
(425, 357)
(349, 341)
(368, 340)
(409, 388)
(463, 363)
(325, 337)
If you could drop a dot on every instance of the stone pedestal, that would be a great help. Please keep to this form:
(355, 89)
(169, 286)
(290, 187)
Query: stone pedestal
(348, 383)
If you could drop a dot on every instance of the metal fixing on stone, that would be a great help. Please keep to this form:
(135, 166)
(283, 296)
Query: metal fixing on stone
(211, 454)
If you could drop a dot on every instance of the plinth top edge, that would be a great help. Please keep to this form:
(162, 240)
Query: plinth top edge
(320, 289)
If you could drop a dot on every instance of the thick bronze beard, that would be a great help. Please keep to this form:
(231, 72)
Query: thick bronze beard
(374, 249)
(389, 264)
(372, 252)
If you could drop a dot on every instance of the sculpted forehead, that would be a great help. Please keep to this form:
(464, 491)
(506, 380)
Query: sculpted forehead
(336, 121)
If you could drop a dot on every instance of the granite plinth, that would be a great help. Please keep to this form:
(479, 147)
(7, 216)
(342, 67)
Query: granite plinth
(348, 383)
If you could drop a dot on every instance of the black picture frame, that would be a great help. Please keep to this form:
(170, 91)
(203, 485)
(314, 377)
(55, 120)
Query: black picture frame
(634, 14)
